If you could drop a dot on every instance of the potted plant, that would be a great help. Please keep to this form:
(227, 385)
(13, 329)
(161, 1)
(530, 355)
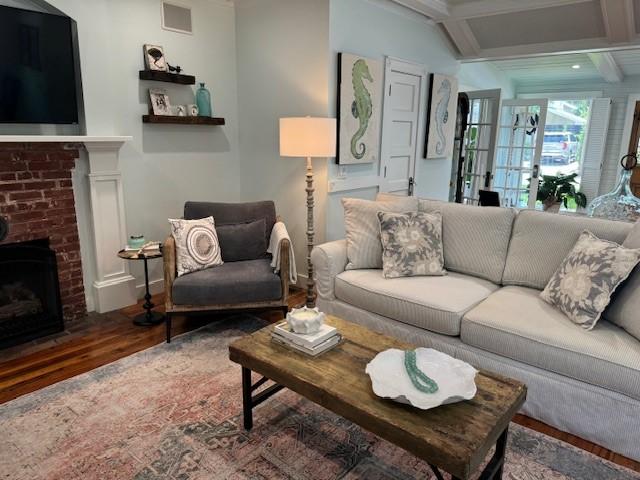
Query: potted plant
(556, 190)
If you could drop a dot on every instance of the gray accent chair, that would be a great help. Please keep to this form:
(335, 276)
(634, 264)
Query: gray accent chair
(246, 279)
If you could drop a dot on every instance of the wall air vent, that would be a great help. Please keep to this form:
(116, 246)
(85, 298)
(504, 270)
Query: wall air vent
(177, 18)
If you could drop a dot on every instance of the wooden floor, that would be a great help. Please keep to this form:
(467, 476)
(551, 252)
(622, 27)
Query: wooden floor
(104, 338)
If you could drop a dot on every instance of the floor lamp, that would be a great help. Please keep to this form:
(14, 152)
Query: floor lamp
(308, 137)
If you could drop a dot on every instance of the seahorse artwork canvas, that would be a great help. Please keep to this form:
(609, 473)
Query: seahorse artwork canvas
(441, 123)
(359, 104)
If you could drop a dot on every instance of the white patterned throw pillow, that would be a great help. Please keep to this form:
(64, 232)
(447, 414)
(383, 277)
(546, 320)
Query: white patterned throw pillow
(411, 244)
(197, 245)
(587, 278)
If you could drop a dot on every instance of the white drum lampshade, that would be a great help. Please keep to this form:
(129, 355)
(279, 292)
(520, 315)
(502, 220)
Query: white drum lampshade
(307, 137)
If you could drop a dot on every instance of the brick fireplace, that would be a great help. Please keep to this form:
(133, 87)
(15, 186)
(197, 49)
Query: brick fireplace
(37, 201)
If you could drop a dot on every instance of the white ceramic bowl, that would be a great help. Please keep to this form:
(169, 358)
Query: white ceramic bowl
(455, 378)
(305, 320)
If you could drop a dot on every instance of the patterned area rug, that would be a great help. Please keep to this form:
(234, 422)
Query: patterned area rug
(173, 412)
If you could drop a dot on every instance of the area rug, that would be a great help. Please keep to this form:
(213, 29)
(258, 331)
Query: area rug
(173, 412)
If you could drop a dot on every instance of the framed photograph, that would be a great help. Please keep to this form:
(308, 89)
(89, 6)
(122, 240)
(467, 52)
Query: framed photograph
(360, 83)
(441, 116)
(160, 104)
(154, 58)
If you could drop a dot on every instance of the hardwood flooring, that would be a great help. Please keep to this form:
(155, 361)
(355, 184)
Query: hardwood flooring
(104, 338)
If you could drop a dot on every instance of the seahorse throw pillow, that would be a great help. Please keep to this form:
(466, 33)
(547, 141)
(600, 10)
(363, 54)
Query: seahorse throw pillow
(583, 284)
(197, 245)
(411, 244)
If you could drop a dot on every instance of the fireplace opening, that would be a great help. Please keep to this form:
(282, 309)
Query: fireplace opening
(30, 305)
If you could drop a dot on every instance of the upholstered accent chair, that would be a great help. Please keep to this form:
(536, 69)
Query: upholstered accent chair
(246, 280)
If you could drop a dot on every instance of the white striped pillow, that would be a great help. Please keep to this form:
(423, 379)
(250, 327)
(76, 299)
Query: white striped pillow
(364, 246)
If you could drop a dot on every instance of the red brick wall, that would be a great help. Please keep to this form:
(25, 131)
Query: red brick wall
(36, 197)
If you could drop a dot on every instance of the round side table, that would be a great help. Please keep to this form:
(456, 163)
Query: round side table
(149, 317)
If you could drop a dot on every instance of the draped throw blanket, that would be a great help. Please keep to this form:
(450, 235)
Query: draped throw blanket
(278, 234)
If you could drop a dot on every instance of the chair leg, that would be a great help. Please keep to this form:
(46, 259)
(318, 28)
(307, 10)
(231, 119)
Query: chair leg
(168, 325)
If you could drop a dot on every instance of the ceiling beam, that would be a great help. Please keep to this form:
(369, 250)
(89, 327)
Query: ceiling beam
(435, 9)
(462, 37)
(618, 20)
(607, 66)
(485, 8)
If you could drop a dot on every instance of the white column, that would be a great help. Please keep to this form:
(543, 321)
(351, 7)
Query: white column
(114, 286)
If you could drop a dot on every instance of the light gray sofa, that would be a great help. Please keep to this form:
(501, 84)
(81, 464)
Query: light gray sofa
(487, 311)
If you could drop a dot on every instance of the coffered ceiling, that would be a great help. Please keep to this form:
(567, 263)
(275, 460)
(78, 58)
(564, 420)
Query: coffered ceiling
(491, 29)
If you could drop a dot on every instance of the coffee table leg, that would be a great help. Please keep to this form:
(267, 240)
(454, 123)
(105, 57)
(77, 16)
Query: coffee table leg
(493, 470)
(247, 401)
(495, 467)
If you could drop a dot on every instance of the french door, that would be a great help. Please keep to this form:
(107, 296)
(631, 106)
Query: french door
(479, 143)
(518, 151)
(405, 90)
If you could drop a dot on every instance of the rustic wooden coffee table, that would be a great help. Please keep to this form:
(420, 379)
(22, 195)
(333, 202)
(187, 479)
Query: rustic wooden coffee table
(454, 438)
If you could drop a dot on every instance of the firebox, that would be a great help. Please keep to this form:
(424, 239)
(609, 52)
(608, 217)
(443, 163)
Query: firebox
(30, 305)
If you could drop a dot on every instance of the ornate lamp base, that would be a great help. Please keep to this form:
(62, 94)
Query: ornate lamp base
(310, 233)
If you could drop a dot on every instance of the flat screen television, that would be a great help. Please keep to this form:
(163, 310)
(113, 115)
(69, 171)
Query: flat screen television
(37, 68)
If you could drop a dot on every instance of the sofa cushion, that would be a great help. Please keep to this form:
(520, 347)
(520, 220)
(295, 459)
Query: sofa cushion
(624, 310)
(433, 303)
(232, 213)
(476, 239)
(516, 323)
(242, 241)
(541, 241)
(232, 283)
(364, 247)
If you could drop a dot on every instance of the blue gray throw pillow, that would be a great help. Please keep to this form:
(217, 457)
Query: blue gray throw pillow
(587, 278)
(411, 244)
(242, 241)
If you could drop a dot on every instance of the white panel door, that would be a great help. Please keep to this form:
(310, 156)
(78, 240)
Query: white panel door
(518, 151)
(404, 95)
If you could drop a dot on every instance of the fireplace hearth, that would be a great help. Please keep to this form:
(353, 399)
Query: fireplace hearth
(30, 305)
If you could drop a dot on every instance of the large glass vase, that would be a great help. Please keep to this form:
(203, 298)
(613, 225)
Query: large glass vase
(620, 203)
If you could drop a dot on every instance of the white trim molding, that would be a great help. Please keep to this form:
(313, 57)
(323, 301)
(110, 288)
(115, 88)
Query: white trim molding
(607, 66)
(114, 286)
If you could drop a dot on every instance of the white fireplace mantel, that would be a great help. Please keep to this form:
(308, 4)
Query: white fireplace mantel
(113, 285)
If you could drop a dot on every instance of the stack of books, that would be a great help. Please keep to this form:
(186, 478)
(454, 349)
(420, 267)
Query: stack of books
(312, 344)
(150, 248)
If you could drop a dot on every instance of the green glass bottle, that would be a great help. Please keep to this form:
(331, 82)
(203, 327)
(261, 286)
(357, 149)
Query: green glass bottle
(203, 100)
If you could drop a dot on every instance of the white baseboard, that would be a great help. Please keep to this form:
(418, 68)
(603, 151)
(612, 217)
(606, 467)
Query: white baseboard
(114, 294)
(155, 287)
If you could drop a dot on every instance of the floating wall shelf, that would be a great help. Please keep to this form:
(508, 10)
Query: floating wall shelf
(167, 77)
(183, 120)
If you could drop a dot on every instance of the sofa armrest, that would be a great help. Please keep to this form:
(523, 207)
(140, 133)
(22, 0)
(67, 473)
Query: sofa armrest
(329, 260)
(169, 260)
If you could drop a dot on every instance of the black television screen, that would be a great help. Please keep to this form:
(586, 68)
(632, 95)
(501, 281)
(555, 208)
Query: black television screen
(37, 68)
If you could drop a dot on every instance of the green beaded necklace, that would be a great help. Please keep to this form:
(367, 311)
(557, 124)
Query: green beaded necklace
(417, 376)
